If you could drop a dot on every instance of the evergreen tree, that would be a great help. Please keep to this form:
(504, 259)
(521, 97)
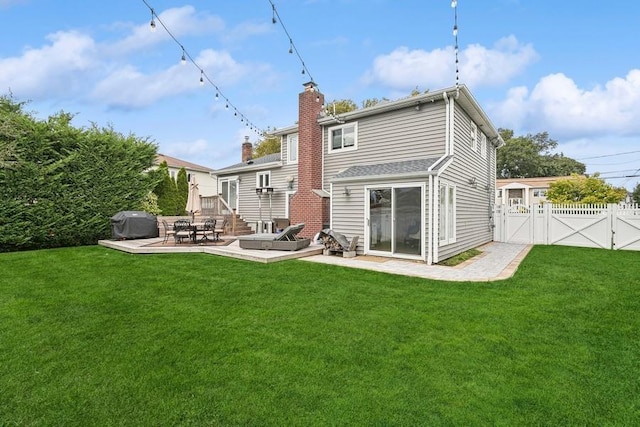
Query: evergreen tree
(182, 193)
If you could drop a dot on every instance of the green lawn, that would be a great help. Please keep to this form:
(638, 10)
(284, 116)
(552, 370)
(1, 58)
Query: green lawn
(91, 336)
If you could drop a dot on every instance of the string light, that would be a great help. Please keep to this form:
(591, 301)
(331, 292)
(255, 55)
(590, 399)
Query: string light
(454, 5)
(152, 24)
(183, 60)
(203, 76)
(292, 47)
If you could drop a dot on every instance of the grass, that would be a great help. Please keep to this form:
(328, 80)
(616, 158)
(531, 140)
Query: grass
(460, 258)
(92, 336)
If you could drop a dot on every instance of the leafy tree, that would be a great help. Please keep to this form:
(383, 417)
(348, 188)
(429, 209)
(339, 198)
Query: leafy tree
(635, 195)
(532, 156)
(182, 193)
(60, 185)
(582, 189)
(268, 145)
(340, 106)
(373, 101)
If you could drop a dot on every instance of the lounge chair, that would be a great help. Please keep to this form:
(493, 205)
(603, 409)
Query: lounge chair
(285, 241)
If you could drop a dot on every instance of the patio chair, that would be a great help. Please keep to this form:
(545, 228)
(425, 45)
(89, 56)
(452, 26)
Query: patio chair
(182, 230)
(219, 228)
(168, 231)
(285, 241)
(207, 230)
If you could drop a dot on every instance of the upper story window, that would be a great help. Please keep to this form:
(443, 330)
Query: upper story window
(483, 145)
(292, 148)
(473, 136)
(263, 179)
(343, 137)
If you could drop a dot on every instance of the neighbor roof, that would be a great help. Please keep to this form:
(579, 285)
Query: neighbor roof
(177, 163)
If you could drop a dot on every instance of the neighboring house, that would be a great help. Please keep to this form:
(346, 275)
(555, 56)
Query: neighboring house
(413, 178)
(206, 180)
(524, 191)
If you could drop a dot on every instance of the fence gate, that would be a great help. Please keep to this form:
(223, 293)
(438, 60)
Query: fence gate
(596, 226)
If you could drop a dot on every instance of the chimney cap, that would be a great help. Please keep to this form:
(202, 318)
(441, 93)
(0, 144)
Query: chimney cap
(310, 85)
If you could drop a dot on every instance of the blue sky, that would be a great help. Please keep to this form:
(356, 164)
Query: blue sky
(568, 68)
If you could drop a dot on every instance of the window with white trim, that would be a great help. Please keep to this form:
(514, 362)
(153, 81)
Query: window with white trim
(292, 148)
(473, 137)
(539, 192)
(447, 214)
(343, 137)
(263, 179)
(483, 145)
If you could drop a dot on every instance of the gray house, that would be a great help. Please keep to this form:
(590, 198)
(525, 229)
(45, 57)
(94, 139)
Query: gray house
(413, 178)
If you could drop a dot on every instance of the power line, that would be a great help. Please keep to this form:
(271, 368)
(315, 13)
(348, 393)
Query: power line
(609, 155)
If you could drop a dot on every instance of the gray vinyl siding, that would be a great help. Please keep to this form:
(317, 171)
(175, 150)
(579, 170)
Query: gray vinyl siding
(399, 135)
(473, 203)
(348, 212)
(249, 206)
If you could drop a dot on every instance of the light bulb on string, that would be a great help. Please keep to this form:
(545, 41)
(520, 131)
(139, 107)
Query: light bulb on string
(201, 78)
(226, 106)
(152, 24)
(455, 30)
(273, 18)
(217, 96)
(290, 46)
(183, 59)
(454, 3)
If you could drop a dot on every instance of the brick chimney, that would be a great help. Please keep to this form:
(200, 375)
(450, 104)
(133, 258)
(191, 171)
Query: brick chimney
(247, 150)
(308, 206)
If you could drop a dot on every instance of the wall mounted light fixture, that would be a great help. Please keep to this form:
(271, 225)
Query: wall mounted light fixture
(347, 191)
(290, 180)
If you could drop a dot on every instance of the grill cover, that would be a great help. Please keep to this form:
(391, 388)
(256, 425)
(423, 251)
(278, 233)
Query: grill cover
(133, 225)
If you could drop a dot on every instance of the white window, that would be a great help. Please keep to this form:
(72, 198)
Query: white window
(539, 192)
(473, 137)
(343, 137)
(483, 145)
(263, 179)
(292, 148)
(447, 213)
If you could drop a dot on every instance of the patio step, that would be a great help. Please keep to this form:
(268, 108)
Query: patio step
(242, 228)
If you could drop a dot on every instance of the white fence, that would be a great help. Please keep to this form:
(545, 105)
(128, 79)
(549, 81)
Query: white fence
(596, 226)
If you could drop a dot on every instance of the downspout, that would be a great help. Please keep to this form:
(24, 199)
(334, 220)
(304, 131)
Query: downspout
(433, 186)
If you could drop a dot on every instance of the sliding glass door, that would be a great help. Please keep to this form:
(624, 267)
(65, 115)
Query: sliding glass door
(395, 219)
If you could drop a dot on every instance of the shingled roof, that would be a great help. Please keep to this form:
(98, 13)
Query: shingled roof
(403, 168)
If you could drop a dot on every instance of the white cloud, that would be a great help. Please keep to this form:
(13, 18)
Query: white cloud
(56, 69)
(182, 21)
(404, 69)
(128, 87)
(556, 104)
